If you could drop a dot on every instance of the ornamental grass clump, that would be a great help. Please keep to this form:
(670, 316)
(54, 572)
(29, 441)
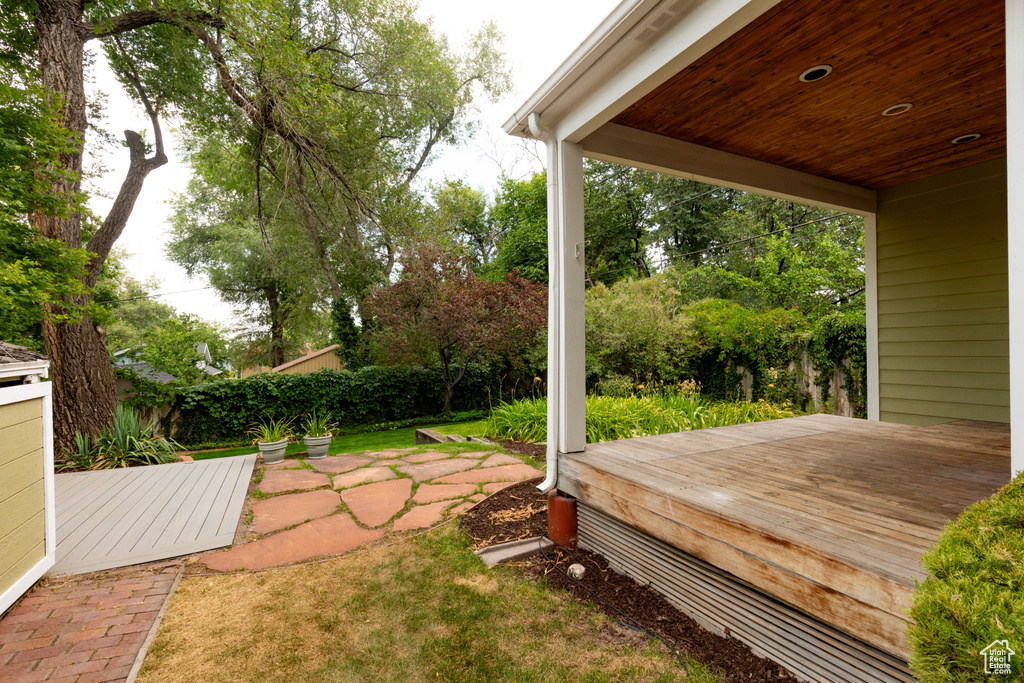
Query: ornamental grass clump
(129, 441)
(658, 410)
(269, 430)
(974, 594)
(318, 423)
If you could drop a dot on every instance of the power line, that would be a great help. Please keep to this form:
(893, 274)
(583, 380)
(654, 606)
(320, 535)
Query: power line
(661, 210)
(151, 296)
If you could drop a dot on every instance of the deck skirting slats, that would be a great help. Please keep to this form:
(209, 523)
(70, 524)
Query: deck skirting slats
(725, 605)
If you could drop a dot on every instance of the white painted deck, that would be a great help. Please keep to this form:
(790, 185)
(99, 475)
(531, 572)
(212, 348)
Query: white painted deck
(116, 518)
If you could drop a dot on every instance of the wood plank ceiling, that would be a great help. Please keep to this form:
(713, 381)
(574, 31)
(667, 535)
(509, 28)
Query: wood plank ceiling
(945, 57)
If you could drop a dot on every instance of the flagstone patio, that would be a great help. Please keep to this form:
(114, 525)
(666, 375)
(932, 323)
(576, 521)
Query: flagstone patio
(303, 509)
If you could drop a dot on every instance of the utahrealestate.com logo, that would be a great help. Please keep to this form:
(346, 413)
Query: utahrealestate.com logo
(997, 657)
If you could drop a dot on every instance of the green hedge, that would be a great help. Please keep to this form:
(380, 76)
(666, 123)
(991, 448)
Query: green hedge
(221, 411)
(974, 594)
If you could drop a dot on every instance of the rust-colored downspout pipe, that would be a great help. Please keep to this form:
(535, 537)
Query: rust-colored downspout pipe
(562, 524)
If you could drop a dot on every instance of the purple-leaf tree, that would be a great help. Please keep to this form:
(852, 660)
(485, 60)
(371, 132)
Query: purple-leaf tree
(440, 310)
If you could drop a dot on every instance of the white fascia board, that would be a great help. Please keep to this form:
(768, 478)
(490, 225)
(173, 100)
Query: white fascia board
(40, 368)
(631, 147)
(617, 65)
(624, 17)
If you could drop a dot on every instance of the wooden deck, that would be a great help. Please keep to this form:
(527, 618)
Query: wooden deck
(115, 518)
(827, 514)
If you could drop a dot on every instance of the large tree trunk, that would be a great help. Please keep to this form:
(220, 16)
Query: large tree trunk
(83, 381)
(277, 320)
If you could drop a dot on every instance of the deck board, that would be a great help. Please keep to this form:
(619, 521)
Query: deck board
(828, 514)
(115, 518)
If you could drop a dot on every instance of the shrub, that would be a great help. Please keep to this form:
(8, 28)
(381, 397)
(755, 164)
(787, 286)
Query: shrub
(635, 329)
(974, 594)
(129, 441)
(610, 418)
(222, 411)
(616, 385)
(840, 340)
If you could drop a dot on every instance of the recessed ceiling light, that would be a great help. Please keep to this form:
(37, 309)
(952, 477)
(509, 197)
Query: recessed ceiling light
(816, 73)
(897, 109)
(966, 138)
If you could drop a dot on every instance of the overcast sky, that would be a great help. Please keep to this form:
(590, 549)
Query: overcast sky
(537, 42)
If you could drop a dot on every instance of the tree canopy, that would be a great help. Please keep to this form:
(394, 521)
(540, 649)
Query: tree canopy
(441, 311)
(338, 104)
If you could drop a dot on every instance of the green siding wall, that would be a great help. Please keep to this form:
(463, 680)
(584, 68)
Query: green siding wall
(943, 326)
(22, 527)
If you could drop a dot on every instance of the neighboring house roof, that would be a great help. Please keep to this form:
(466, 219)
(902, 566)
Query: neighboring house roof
(17, 362)
(147, 371)
(308, 356)
(122, 358)
(10, 353)
(204, 364)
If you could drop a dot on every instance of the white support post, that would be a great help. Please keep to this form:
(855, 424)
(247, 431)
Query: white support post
(566, 313)
(1015, 222)
(572, 437)
(871, 313)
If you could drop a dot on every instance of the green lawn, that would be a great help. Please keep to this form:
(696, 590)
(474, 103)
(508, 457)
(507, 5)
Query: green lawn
(476, 428)
(422, 611)
(375, 441)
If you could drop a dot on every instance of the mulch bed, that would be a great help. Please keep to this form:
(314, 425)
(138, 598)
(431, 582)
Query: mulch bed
(521, 512)
(535, 451)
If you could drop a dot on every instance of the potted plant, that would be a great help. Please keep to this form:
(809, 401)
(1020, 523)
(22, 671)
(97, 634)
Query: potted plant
(271, 436)
(317, 427)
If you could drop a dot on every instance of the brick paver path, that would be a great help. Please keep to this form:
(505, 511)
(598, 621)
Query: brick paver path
(91, 628)
(394, 490)
(84, 629)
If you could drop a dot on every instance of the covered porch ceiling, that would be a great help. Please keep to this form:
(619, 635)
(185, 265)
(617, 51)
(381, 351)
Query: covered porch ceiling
(728, 83)
(947, 59)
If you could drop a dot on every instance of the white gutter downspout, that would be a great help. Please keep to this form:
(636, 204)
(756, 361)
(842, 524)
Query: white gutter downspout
(554, 263)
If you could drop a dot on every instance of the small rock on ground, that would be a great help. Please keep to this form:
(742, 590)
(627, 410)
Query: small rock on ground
(460, 508)
(286, 464)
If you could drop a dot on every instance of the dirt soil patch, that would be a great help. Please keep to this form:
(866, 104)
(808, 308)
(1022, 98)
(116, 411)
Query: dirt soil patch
(513, 514)
(533, 450)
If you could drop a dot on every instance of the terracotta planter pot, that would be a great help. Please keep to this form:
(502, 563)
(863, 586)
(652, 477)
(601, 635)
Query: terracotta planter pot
(272, 451)
(316, 446)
